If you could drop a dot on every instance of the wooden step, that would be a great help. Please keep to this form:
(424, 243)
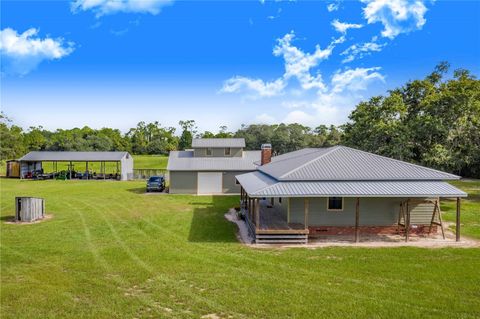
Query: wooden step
(281, 239)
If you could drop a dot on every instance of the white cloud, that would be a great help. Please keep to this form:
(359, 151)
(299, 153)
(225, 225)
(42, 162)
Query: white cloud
(317, 114)
(264, 119)
(397, 16)
(334, 105)
(360, 50)
(21, 53)
(299, 117)
(105, 7)
(263, 89)
(355, 79)
(298, 63)
(343, 27)
(333, 6)
(295, 104)
(329, 103)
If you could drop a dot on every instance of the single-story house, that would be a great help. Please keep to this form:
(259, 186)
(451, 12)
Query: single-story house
(210, 166)
(341, 190)
(32, 162)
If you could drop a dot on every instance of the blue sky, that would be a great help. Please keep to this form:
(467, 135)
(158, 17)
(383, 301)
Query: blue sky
(113, 63)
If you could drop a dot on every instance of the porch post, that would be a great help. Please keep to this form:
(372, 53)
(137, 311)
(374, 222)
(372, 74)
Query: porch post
(407, 222)
(306, 212)
(70, 170)
(288, 210)
(86, 168)
(457, 229)
(357, 220)
(252, 211)
(257, 213)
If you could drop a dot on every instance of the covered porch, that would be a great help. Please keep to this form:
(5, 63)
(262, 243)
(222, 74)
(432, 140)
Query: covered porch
(278, 220)
(269, 224)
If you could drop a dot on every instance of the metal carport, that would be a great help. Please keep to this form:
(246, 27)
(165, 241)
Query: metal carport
(33, 161)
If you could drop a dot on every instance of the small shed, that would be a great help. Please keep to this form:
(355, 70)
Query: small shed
(29, 209)
(13, 169)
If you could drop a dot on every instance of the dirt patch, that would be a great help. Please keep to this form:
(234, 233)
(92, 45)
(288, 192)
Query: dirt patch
(243, 234)
(385, 241)
(45, 218)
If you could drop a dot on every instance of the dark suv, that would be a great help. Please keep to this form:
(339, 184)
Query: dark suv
(156, 183)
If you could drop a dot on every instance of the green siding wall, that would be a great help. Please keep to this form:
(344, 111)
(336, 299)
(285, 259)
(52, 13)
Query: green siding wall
(183, 182)
(373, 212)
(218, 152)
(297, 210)
(421, 213)
(281, 206)
(229, 185)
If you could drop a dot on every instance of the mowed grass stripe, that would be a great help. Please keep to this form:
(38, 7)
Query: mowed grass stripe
(186, 240)
(146, 300)
(260, 263)
(150, 269)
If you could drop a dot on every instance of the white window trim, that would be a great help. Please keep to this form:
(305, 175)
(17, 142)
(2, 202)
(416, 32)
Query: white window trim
(336, 210)
(206, 151)
(229, 151)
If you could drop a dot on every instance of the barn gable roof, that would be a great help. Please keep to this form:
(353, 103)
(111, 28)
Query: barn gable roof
(218, 142)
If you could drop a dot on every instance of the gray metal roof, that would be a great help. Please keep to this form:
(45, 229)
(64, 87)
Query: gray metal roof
(218, 142)
(74, 156)
(340, 163)
(184, 161)
(257, 184)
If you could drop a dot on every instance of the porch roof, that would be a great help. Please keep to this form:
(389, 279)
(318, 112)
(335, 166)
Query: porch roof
(258, 184)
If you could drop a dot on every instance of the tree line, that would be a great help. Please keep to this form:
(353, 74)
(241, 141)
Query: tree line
(432, 121)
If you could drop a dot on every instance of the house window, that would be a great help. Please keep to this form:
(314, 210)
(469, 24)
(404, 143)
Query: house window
(227, 151)
(279, 200)
(335, 203)
(208, 152)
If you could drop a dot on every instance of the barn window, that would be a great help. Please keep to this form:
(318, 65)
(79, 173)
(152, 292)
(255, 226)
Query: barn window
(208, 152)
(227, 151)
(335, 203)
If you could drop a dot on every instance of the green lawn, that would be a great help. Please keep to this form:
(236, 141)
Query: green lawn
(470, 208)
(139, 161)
(111, 251)
(150, 161)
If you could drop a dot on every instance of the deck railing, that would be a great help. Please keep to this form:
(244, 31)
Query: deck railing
(276, 237)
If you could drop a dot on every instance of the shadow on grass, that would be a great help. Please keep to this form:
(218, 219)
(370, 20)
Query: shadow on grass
(143, 190)
(208, 221)
(137, 190)
(8, 218)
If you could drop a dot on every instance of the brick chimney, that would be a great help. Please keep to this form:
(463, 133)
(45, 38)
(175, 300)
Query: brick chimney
(266, 153)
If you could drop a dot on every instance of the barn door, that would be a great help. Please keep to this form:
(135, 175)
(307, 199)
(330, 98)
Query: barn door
(209, 183)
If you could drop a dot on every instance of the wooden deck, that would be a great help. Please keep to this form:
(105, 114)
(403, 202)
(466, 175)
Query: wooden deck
(273, 222)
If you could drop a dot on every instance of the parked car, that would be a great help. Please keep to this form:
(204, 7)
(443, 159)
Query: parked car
(156, 183)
